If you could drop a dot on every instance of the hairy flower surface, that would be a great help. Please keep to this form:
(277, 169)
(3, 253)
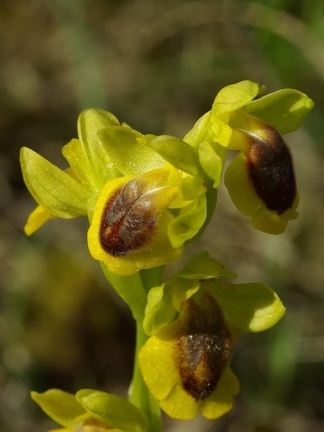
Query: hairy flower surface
(185, 362)
(129, 227)
(261, 179)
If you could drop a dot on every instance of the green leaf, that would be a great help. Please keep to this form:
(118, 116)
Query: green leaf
(113, 410)
(179, 153)
(52, 188)
(60, 406)
(252, 307)
(202, 266)
(124, 146)
(284, 109)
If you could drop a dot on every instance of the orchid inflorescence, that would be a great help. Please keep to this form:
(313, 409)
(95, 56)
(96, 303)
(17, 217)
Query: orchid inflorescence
(146, 198)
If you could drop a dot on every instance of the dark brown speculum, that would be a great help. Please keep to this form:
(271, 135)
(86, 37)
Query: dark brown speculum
(270, 169)
(128, 221)
(204, 346)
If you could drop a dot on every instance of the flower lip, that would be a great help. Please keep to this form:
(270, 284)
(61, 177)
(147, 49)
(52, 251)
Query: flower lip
(127, 220)
(270, 169)
(204, 347)
(128, 230)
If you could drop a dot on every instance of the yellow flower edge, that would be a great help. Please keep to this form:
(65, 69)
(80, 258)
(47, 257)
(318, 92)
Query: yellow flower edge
(156, 250)
(250, 204)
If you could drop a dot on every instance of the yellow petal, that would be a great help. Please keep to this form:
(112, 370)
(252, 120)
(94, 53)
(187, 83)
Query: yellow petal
(158, 367)
(221, 400)
(180, 405)
(37, 219)
(270, 222)
(239, 186)
(129, 227)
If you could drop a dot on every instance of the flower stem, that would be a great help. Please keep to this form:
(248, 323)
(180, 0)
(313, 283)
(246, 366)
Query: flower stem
(133, 290)
(130, 289)
(152, 277)
(138, 392)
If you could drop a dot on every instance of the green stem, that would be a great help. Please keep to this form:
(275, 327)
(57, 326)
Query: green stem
(138, 392)
(133, 290)
(130, 289)
(152, 277)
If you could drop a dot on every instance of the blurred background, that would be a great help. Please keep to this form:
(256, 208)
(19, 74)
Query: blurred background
(157, 66)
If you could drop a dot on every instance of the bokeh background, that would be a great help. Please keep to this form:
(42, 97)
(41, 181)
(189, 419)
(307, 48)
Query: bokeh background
(157, 66)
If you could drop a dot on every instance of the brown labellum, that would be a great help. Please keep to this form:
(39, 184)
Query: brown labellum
(271, 171)
(127, 221)
(205, 347)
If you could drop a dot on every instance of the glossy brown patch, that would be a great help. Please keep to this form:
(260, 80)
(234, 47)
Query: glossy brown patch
(205, 346)
(270, 168)
(127, 221)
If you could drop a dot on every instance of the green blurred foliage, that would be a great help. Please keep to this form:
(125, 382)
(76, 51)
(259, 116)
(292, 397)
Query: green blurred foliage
(158, 67)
